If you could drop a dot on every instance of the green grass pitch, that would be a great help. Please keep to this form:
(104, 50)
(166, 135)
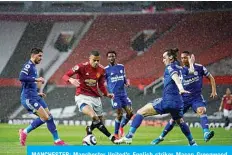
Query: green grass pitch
(73, 135)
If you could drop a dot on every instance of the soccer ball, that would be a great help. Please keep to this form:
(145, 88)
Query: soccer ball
(89, 140)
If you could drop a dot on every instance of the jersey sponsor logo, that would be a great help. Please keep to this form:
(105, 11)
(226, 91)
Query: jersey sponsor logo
(91, 82)
(191, 80)
(117, 78)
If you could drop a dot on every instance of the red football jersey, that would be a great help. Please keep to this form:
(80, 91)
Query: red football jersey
(90, 79)
(227, 102)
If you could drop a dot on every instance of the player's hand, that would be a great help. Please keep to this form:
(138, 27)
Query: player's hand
(75, 82)
(43, 95)
(40, 79)
(184, 92)
(213, 95)
(110, 95)
(127, 85)
(191, 59)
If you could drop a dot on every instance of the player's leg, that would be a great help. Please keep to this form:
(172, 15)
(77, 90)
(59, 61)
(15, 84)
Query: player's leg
(199, 107)
(117, 106)
(185, 130)
(169, 126)
(94, 109)
(118, 119)
(226, 116)
(52, 128)
(147, 110)
(33, 107)
(126, 103)
(177, 115)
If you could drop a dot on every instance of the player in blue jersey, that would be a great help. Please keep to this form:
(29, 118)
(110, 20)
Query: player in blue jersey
(116, 83)
(171, 102)
(33, 101)
(193, 83)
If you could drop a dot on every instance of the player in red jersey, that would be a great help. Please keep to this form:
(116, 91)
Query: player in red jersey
(226, 105)
(90, 77)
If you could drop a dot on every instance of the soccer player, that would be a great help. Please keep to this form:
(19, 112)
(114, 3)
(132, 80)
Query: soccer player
(226, 106)
(116, 82)
(90, 77)
(192, 82)
(33, 101)
(171, 102)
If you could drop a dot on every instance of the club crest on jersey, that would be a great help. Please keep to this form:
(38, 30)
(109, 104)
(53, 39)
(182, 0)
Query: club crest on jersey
(195, 73)
(121, 71)
(98, 75)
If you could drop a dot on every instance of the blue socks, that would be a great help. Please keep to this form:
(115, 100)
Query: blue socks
(116, 126)
(204, 123)
(52, 128)
(135, 124)
(185, 129)
(124, 121)
(35, 124)
(167, 128)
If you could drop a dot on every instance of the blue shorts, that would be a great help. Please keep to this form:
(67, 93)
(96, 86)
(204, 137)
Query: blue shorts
(33, 104)
(194, 104)
(120, 101)
(175, 108)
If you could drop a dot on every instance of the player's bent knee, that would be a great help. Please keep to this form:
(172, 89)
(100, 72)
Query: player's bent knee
(201, 110)
(119, 116)
(179, 121)
(129, 115)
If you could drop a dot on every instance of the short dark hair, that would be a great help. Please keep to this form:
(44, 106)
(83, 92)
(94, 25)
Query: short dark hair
(186, 52)
(111, 51)
(95, 53)
(36, 51)
(172, 52)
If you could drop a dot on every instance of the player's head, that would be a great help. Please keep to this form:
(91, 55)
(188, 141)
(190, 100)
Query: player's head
(94, 59)
(36, 55)
(170, 56)
(184, 58)
(228, 92)
(111, 57)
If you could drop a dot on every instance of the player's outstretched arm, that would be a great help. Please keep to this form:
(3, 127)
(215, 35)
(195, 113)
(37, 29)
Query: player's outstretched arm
(68, 76)
(191, 60)
(213, 86)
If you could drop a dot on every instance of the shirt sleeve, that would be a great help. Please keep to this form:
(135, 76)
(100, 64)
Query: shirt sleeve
(71, 72)
(172, 70)
(101, 84)
(205, 71)
(24, 75)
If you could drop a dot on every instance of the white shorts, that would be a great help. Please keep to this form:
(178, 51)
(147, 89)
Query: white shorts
(94, 102)
(227, 112)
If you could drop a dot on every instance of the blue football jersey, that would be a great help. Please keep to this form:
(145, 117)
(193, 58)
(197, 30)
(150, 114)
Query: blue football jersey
(171, 91)
(193, 82)
(27, 77)
(116, 78)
